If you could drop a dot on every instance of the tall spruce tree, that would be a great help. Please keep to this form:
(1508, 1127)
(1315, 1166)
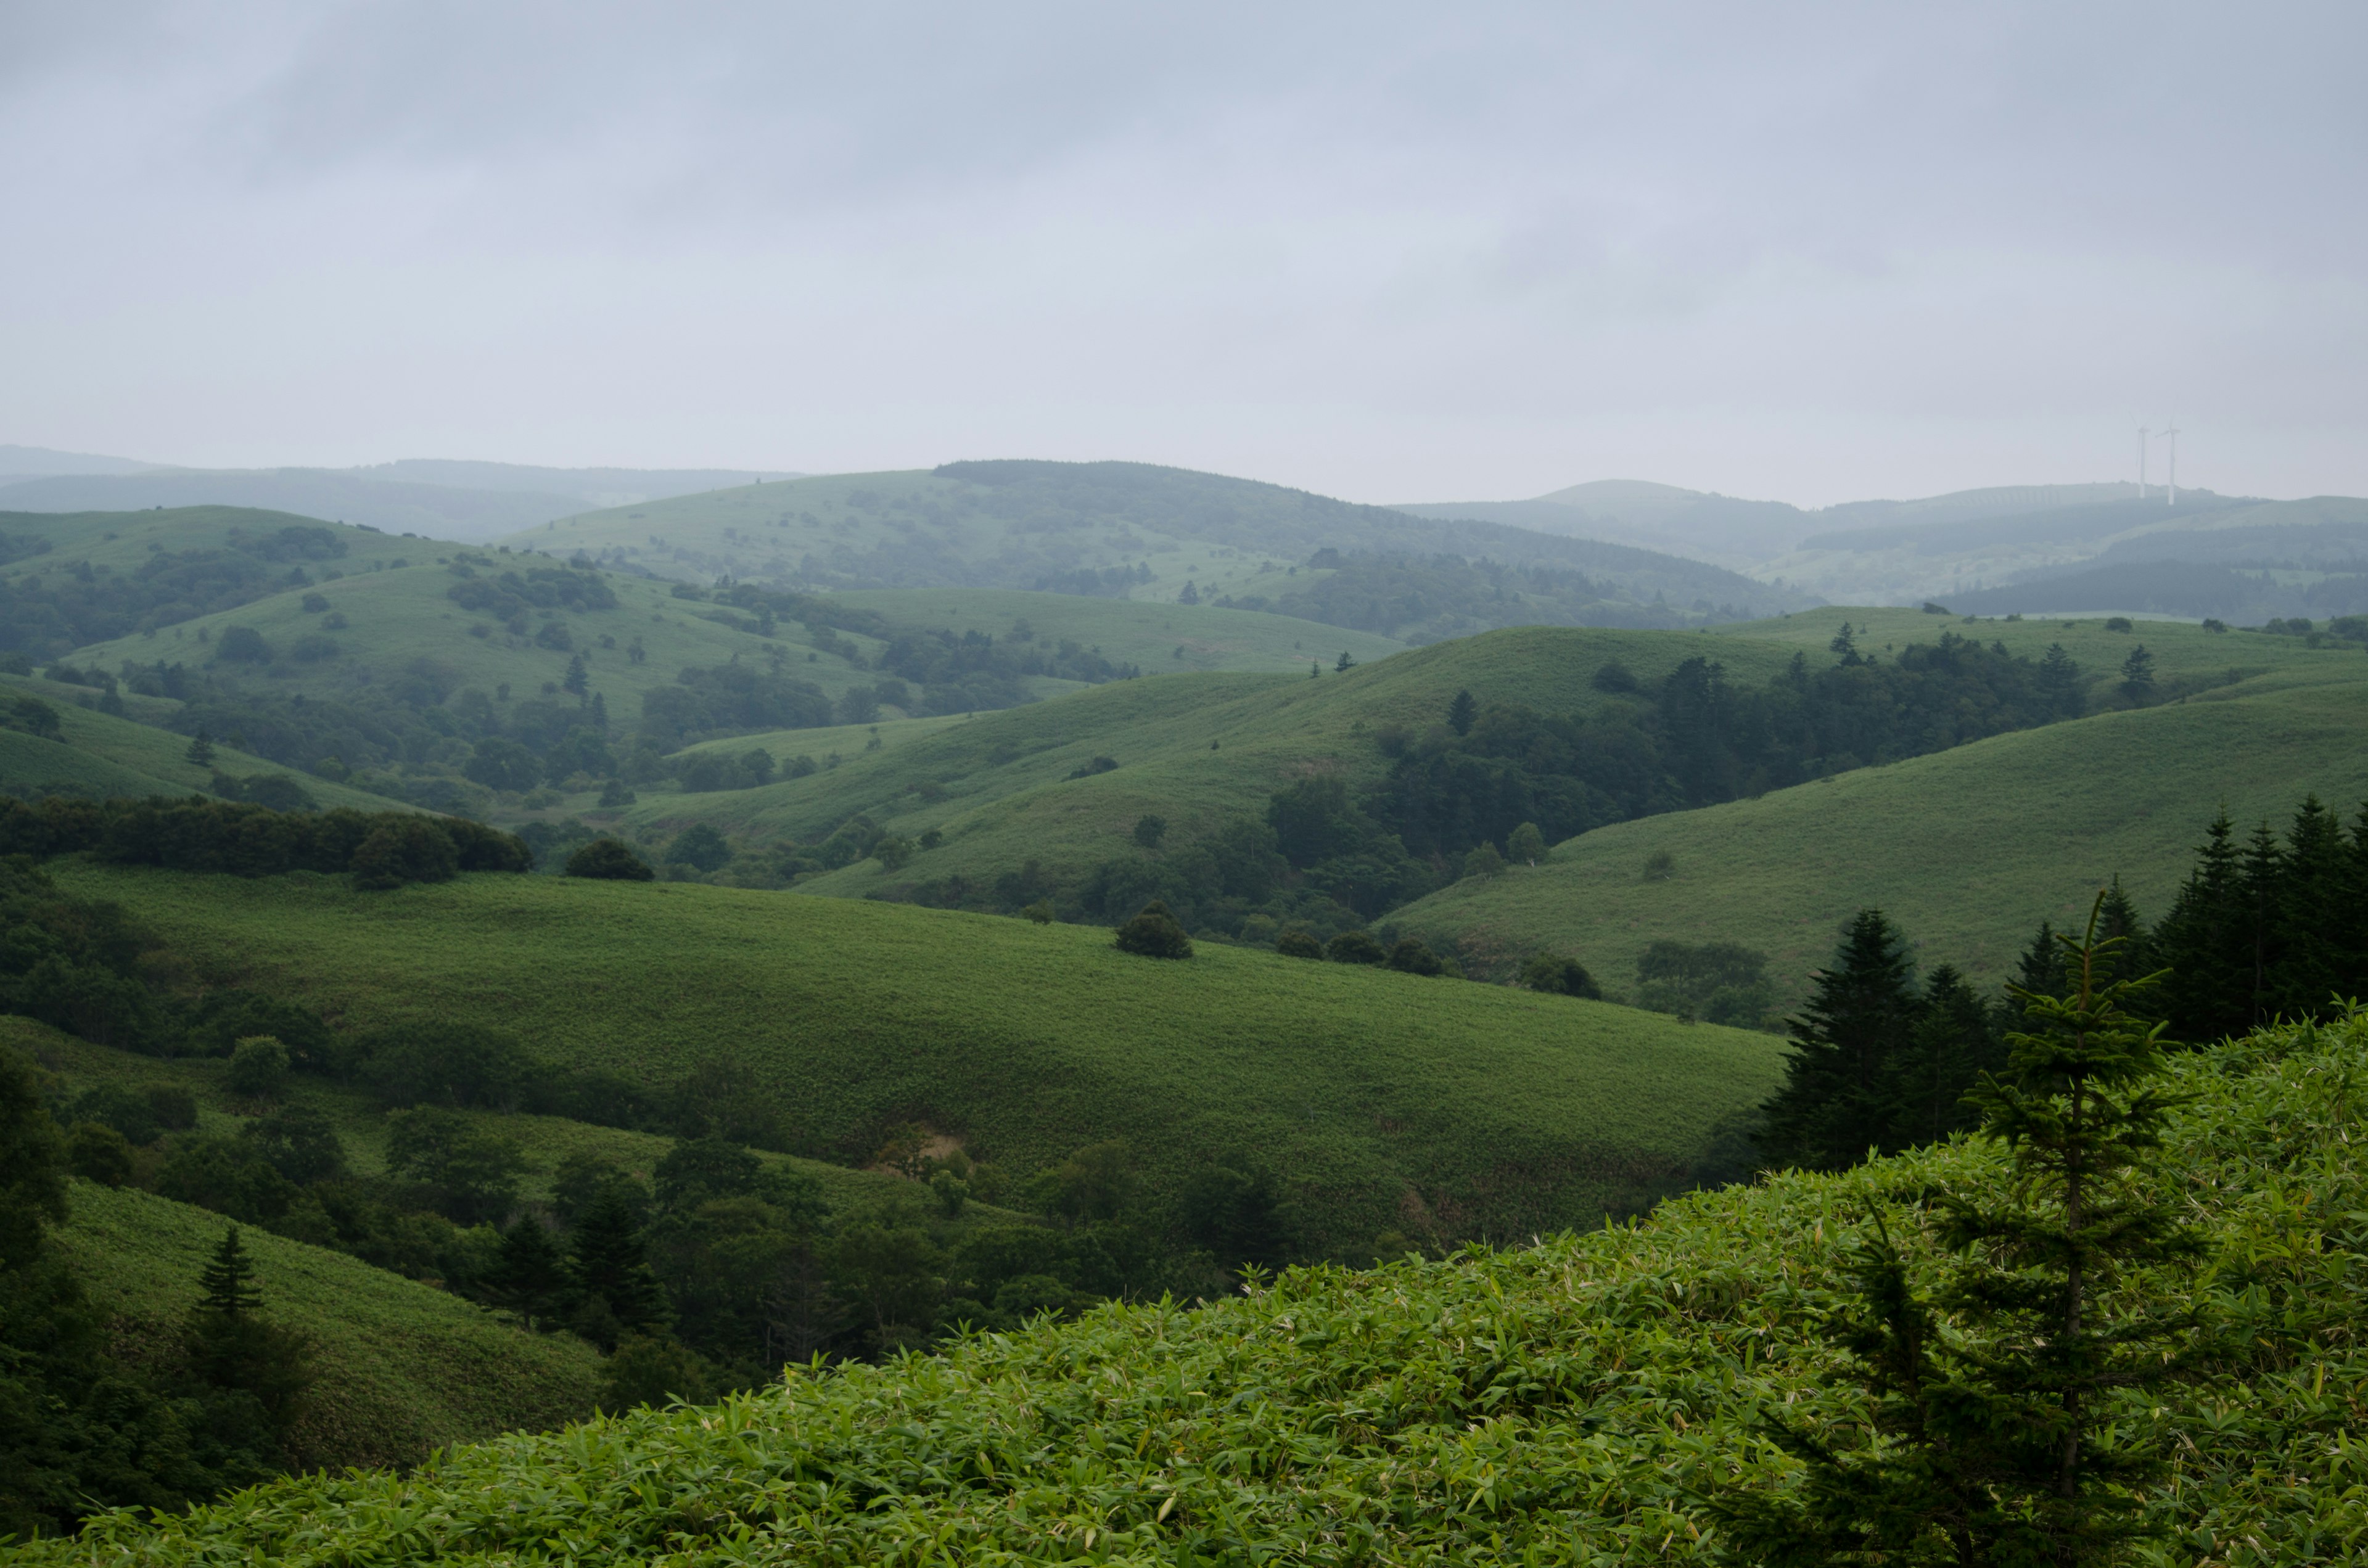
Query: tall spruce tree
(1996, 1439)
(2261, 880)
(2310, 965)
(1835, 1102)
(608, 1263)
(2203, 944)
(233, 1346)
(2119, 922)
(1947, 1050)
(530, 1276)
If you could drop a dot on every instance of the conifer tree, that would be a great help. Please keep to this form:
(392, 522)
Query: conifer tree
(1996, 1439)
(2118, 919)
(232, 1346)
(2261, 880)
(608, 1262)
(1460, 712)
(2204, 945)
(201, 750)
(1946, 1052)
(2310, 965)
(1834, 1104)
(530, 1276)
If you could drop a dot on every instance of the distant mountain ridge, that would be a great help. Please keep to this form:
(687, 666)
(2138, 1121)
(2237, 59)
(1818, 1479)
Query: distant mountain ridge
(467, 501)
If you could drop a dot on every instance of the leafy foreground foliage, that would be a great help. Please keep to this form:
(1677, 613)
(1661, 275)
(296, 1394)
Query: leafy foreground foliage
(1581, 1402)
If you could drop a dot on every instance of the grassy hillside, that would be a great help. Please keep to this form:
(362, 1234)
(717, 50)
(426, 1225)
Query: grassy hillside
(1968, 849)
(1160, 638)
(1386, 1101)
(402, 1368)
(1128, 530)
(98, 753)
(1194, 749)
(1584, 1400)
(547, 1142)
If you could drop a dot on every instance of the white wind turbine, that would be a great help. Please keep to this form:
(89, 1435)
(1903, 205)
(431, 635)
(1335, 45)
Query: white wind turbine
(2170, 433)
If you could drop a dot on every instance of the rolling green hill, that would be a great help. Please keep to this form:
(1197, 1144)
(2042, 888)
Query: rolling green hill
(402, 1368)
(1135, 529)
(1195, 749)
(101, 754)
(1967, 849)
(1588, 1400)
(1158, 638)
(1387, 1102)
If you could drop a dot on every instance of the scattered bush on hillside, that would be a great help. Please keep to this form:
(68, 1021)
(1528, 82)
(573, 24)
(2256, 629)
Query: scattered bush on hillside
(1356, 946)
(1412, 957)
(1560, 976)
(608, 859)
(96, 1151)
(700, 847)
(252, 841)
(1149, 830)
(258, 1068)
(1721, 982)
(1154, 934)
(1298, 942)
(400, 852)
(1660, 866)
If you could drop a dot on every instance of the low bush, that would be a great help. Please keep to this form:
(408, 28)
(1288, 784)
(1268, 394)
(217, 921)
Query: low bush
(610, 860)
(1154, 934)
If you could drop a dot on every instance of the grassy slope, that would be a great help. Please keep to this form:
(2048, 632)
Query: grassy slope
(402, 1367)
(1968, 849)
(102, 755)
(1375, 1093)
(1161, 638)
(547, 1141)
(1578, 1401)
(1009, 800)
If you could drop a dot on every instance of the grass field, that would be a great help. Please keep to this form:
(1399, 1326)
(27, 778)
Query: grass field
(1194, 749)
(1434, 1107)
(547, 1142)
(1161, 638)
(401, 1367)
(1588, 1400)
(100, 754)
(1968, 849)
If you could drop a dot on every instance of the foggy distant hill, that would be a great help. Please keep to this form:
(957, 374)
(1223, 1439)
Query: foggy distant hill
(470, 502)
(26, 462)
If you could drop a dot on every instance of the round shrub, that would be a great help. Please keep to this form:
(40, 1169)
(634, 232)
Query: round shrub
(1410, 957)
(98, 1153)
(258, 1068)
(1154, 934)
(1356, 946)
(1299, 943)
(406, 849)
(1559, 976)
(700, 847)
(608, 860)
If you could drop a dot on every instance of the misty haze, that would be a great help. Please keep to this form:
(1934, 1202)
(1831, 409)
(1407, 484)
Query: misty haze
(1168, 785)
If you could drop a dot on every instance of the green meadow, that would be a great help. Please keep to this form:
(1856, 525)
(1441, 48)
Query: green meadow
(1593, 1398)
(402, 1368)
(1967, 849)
(101, 754)
(1386, 1102)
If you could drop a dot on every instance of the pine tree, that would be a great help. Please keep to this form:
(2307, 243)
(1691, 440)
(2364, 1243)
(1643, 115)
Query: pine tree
(2137, 675)
(2203, 945)
(2118, 921)
(227, 1282)
(2059, 682)
(1993, 1440)
(2310, 966)
(233, 1346)
(530, 1277)
(1947, 1051)
(1839, 1076)
(1460, 712)
(2261, 879)
(201, 750)
(609, 1262)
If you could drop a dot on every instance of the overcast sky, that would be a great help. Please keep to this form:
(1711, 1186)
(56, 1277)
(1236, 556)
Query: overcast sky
(1387, 252)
